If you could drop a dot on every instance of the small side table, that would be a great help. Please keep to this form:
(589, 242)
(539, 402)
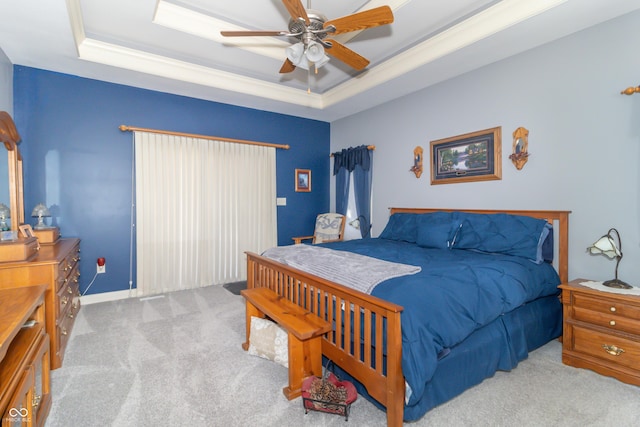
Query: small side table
(601, 331)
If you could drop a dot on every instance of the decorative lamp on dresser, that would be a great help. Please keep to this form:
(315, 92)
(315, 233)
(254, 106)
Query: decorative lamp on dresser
(601, 330)
(25, 383)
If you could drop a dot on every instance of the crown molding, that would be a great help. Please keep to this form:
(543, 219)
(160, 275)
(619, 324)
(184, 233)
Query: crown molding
(484, 24)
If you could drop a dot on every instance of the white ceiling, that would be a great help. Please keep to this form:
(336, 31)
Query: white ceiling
(175, 46)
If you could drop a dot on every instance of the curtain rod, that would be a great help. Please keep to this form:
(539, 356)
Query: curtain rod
(369, 147)
(125, 128)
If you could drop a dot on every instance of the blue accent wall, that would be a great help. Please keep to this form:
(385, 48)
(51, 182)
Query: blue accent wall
(79, 163)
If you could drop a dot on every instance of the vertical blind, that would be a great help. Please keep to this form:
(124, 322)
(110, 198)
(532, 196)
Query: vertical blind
(200, 204)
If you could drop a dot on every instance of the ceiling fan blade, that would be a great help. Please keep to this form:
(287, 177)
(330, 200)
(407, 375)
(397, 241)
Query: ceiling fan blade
(287, 67)
(296, 10)
(252, 33)
(362, 20)
(346, 55)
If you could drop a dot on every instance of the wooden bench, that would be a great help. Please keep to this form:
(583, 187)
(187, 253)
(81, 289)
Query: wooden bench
(304, 330)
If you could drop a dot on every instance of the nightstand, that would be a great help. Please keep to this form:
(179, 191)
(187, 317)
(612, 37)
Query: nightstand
(601, 331)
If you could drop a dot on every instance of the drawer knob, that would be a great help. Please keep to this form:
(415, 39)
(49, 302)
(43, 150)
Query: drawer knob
(612, 322)
(613, 309)
(64, 331)
(612, 349)
(64, 300)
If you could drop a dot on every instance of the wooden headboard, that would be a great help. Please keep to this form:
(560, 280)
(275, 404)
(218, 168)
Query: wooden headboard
(558, 219)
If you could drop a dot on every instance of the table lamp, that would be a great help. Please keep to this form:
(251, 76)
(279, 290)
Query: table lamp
(606, 245)
(5, 213)
(40, 211)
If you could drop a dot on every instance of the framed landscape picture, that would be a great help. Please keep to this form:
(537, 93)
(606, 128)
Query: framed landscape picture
(475, 156)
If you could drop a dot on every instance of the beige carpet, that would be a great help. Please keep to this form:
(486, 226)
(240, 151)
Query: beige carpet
(177, 361)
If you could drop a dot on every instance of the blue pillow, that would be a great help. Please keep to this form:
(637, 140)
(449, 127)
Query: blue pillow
(435, 230)
(401, 227)
(501, 233)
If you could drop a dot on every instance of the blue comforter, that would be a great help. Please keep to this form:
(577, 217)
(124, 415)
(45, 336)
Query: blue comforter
(456, 293)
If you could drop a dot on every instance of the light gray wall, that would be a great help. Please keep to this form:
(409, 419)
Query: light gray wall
(6, 84)
(584, 140)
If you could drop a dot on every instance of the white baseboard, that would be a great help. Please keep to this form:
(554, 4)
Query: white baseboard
(107, 296)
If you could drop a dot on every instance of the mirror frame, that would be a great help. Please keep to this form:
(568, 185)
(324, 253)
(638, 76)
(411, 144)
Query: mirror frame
(10, 138)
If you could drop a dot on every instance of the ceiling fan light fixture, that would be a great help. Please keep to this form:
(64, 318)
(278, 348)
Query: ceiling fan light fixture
(314, 52)
(321, 62)
(295, 53)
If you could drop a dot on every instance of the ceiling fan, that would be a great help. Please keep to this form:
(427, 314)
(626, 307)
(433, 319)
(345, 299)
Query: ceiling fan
(312, 28)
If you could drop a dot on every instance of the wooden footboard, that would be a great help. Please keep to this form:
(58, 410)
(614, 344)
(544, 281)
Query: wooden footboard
(366, 338)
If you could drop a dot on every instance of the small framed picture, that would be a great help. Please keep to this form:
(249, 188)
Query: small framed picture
(26, 230)
(303, 180)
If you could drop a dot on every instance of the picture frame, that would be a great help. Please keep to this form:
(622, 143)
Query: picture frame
(26, 231)
(474, 156)
(303, 180)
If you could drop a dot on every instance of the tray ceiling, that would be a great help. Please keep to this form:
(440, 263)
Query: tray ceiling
(176, 47)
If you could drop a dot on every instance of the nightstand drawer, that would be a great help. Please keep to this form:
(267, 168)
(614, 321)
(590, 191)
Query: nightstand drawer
(605, 305)
(622, 351)
(607, 320)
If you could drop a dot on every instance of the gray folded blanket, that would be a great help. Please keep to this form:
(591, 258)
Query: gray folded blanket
(356, 271)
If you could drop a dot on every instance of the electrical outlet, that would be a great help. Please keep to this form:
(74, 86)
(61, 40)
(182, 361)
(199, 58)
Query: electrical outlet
(101, 266)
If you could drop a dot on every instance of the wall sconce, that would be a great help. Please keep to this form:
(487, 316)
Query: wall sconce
(607, 246)
(417, 162)
(520, 153)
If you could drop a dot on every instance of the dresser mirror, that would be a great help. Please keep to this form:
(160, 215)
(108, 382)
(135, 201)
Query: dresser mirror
(11, 190)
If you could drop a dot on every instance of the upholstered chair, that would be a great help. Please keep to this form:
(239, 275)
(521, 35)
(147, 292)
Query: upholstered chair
(329, 228)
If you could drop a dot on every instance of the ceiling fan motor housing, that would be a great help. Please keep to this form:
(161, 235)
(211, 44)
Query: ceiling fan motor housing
(311, 32)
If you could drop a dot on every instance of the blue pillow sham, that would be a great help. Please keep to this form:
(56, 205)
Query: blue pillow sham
(402, 227)
(436, 230)
(493, 233)
(515, 235)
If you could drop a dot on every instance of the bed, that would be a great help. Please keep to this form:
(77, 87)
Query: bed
(484, 296)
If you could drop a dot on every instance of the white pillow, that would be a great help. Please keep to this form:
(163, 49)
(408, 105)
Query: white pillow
(269, 341)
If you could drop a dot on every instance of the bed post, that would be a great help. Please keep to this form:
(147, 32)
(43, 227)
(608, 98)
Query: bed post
(251, 272)
(563, 245)
(395, 378)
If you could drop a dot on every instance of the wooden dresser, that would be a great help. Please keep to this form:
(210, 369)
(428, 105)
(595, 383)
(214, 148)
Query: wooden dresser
(57, 266)
(601, 331)
(25, 382)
